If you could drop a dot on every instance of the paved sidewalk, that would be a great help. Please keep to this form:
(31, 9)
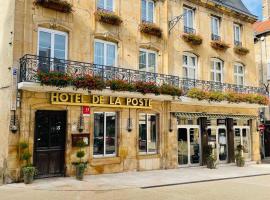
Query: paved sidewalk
(132, 180)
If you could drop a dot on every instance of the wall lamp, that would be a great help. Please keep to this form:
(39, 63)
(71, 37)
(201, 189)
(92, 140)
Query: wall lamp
(14, 123)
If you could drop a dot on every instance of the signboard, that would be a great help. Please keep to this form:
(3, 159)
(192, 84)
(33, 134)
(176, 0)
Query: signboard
(76, 138)
(86, 111)
(261, 127)
(59, 98)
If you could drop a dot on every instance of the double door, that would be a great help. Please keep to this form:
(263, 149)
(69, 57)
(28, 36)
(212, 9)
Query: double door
(242, 137)
(189, 148)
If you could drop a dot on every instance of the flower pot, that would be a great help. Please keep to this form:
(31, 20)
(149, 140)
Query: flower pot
(28, 178)
(240, 162)
(211, 164)
(80, 172)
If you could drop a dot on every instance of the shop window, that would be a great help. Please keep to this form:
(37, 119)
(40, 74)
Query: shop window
(239, 74)
(148, 7)
(52, 49)
(106, 4)
(105, 53)
(148, 136)
(105, 134)
(148, 60)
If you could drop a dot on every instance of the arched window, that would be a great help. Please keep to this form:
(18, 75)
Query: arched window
(190, 65)
(216, 70)
(239, 71)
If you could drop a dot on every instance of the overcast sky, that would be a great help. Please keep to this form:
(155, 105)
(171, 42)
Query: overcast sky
(255, 6)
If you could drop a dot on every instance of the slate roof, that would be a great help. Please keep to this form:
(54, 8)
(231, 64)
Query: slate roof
(236, 5)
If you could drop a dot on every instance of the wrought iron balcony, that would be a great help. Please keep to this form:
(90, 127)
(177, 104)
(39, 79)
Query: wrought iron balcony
(30, 65)
(215, 37)
(189, 30)
(238, 43)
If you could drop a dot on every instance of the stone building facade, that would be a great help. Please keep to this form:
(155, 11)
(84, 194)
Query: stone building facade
(169, 132)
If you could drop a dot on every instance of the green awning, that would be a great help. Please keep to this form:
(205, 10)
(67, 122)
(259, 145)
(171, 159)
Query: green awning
(212, 115)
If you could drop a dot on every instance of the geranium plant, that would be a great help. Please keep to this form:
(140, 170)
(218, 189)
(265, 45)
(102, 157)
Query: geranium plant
(54, 78)
(120, 85)
(150, 28)
(108, 17)
(89, 82)
(170, 90)
(147, 87)
(220, 45)
(58, 5)
(192, 38)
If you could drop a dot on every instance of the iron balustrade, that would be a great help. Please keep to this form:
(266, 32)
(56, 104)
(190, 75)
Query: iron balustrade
(215, 37)
(189, 30)
(238, 43)
(30, 65)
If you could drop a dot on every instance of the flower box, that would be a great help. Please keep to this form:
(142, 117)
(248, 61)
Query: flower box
(192, 38)
(151, 29)
(58, 5)
(241, 50)
(220, 45)
(108, 17)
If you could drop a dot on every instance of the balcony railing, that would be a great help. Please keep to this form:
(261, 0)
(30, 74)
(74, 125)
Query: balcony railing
(238, 43)
(30, 65)
(189, 30)
(215, 37)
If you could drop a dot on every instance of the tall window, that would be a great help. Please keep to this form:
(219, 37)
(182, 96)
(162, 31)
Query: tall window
(216, 70)
(105, 137)
(105, 53)
(105, 4)
(189, 20)
(239, 74)
(148, 136)
(215, 26)
(237, 34)
(147, 12)
(148, 60)
(190, 66)
(52, 44)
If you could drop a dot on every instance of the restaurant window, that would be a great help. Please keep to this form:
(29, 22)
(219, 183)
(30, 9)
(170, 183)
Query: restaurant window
(105, 136)
(148, 60)
(216, 70)
(189, 66)
(52, 49)
(105, 4)
(237, 35)
(148, 7)
(215, 28)
(148, 136)
(239, 74)
(105, 53)
(189, 20)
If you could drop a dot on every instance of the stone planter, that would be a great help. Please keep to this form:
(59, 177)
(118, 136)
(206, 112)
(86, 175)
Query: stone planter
(80, 168)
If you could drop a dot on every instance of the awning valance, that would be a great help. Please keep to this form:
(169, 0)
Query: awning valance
(213, 115)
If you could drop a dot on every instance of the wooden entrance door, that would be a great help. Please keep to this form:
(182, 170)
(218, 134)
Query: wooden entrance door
(50, 139)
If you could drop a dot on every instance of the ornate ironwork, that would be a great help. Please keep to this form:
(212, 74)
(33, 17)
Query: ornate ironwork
(238, 43)
(215, 37)
(31, 64)
(189, 30)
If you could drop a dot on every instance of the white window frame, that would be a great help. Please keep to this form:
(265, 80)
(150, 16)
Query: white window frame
(239, 75)
(213, 18)
(105, 5)
(147, 14)
(186, 10)
(147, 61)
(105, 51)
(235, 27)
(53, 33)
(116, 136)
(157, 136)
(216, 60)
(189, 55)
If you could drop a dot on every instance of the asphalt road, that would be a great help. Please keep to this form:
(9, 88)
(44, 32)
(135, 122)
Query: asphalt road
(255, 188)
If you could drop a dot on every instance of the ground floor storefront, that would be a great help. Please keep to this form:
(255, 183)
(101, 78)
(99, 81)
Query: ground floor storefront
(128, 133)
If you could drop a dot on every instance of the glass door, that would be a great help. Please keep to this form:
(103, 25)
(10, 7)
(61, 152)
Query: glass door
(189, 152)
(242, 136)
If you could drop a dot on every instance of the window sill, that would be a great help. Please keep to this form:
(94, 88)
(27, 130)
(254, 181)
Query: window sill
(105, 161)
(148, 156)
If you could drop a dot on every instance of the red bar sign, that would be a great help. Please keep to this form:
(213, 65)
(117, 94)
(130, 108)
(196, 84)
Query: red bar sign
(86, 111)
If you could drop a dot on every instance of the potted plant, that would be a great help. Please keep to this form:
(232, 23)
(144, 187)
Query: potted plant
(241, 50)
(151, 29)
(28, 170)
(58, 5)
(192, 38)
(220, 45)
(240, 160)
(80, 166)
(108, 17)
(210, 157)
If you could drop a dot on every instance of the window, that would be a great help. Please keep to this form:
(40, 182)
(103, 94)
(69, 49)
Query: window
(189, 20)
(189, 66)
(239, 74)
(148, 7)
(105, 4)
(105, 137)
(217, 70)
(147, 60)
(237, 34)
(105, 53)
(215, 26)
(148, 133)
(52, 44)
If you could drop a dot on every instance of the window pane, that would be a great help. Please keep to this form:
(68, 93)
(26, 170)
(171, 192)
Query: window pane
(101, 4)
(142, 64)
(191, 73)
(185, 62)
(185, 72)
(185, 17)
(212, 76)
(99, 134)
(182, 146)
(152, 62)
(143, 10)
(44, 44)
(99, 53)
(110, 133)
(190, 18)
(218, 66)
(241, 80)
(142, 133)
(150, 12)
(152, 145)
(109, 5)
(110, 55)
(218, 77)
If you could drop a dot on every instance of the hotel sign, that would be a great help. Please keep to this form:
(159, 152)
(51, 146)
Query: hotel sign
(73, 99)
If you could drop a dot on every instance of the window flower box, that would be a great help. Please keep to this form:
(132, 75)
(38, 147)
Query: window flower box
(58, 5)
(192, 38)
(108, 17)
(151, 29)
(220, 45)
(241, 50)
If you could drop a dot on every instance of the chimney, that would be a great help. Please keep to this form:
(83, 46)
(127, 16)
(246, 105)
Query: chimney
(266, 9)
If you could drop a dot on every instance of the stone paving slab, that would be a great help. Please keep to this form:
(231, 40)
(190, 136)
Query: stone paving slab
(127, 180)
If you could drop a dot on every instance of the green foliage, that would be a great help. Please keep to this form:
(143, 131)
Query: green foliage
(108, 17)
(197, 94)
(89, 82)
(151, 29)
(241, 50)
(59, 5)
(147, 87)
(120, 85)
(220, 45)
(80, 154)
(23, 145)
(54, 78)
(215, 96)
(29, 170)
(26, 156)
(170, 90)
(192, 38)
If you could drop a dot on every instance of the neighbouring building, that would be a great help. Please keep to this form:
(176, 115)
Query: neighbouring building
(93, 70)
(262, 53)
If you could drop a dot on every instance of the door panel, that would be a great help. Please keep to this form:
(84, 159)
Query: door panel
(182, 146)
(194, 135)
(222, 140)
